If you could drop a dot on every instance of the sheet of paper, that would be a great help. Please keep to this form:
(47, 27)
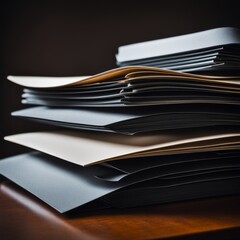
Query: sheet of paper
(117, 73)
(178, 44)
(58, 183)
(65, 186)
(86, 148)
(132, 121)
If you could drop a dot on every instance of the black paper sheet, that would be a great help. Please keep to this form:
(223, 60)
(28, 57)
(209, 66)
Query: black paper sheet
(66, 186)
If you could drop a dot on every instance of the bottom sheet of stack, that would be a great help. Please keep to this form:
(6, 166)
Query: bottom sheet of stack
(118, 174)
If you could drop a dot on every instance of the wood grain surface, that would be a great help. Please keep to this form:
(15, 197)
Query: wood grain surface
(22, 216)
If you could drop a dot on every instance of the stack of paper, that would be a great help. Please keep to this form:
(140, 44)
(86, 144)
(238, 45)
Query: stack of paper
(212, 50)
(156, 136)
(131, 100)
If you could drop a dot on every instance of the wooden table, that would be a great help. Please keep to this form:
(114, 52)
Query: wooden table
(22, 216)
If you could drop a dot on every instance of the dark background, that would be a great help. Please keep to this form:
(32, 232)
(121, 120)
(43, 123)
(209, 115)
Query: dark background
(60, 38)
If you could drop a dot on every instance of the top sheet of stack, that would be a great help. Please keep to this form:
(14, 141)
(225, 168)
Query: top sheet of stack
(211, 50)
